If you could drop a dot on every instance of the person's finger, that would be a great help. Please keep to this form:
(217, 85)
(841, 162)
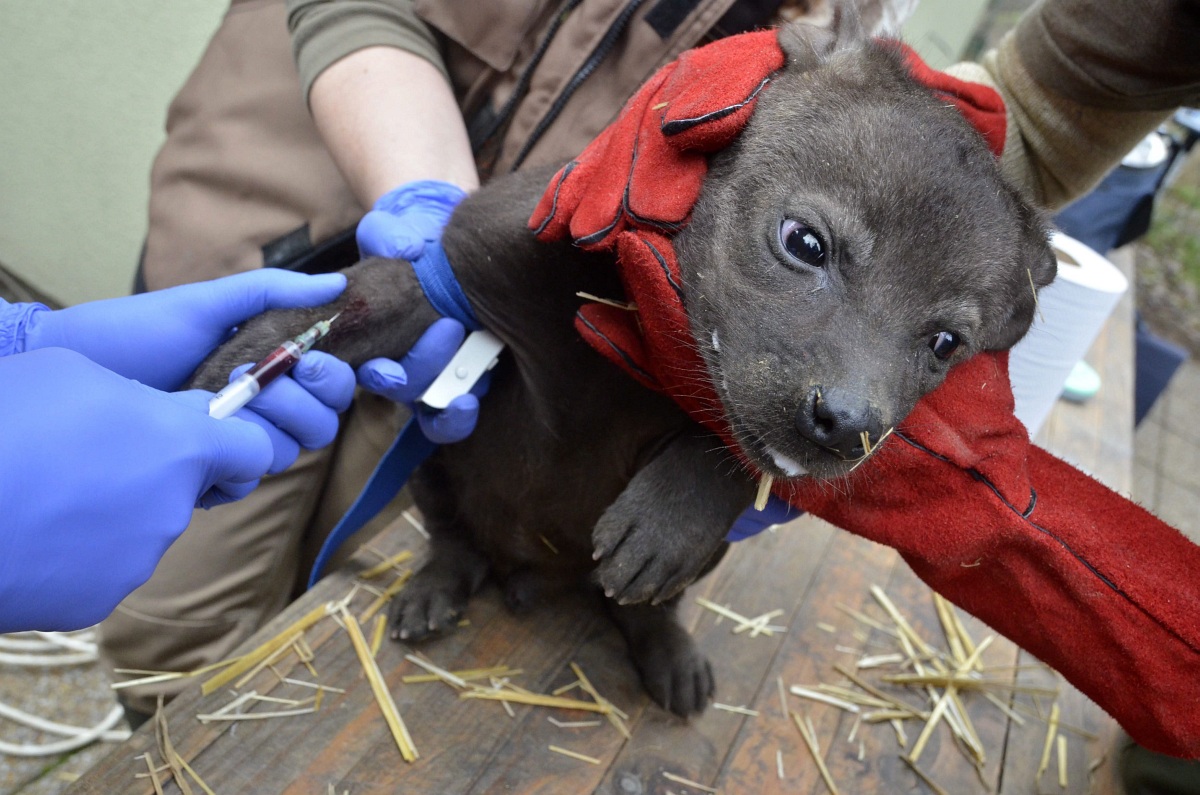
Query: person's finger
(226, 492)
(233, 452)
(432, 352)
(233, 299)
(327, 378)
(293, 410)
(453, 423)
(407, 380)
(385, 377)
(381, 234)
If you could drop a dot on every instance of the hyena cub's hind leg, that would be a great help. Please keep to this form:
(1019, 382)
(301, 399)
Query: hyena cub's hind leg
(436, 598)
(673, 671)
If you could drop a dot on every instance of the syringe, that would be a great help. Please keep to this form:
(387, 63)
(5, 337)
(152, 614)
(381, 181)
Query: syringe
(242, 389)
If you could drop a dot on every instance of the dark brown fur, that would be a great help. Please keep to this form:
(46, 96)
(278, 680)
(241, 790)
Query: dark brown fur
(922, 235)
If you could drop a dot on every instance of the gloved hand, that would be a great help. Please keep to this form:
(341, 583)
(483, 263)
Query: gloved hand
(401, 225)
(99, 474)
(159, 338)
(403, 221)
(405, 381)
(297, 410)
(1081, 577)
(753, 521)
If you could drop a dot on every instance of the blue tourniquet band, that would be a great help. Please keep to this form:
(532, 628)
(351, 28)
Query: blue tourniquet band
(441, 288)
(411, 447)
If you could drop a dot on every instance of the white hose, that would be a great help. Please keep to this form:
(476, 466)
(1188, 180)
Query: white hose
(77, 737)
(54, 649)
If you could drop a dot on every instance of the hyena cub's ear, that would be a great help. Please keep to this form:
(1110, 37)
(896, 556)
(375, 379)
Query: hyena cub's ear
(830, 25)
(1036, 267)
(808, 42)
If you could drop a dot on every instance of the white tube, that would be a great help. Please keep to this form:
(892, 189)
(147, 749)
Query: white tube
(229, 400)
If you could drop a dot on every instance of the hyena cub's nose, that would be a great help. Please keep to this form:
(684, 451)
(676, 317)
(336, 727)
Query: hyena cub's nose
(838, 419)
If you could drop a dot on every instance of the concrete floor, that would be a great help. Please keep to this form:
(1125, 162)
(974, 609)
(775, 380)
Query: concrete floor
(1166, 480)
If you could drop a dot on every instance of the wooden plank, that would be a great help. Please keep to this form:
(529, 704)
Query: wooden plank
(806, 657)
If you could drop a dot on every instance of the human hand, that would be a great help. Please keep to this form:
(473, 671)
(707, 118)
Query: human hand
(404, 220)
(407, 380)
(402, 223)
(159, 338)
(99, 474)
(297, 410)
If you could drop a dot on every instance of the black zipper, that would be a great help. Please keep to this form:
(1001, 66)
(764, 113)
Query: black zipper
(589, 66)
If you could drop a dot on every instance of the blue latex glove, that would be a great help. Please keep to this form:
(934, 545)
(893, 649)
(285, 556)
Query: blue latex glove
(160, 338)
(407, 380)
(404, 220)
(753, 522)
(401, 224)
(99, 474)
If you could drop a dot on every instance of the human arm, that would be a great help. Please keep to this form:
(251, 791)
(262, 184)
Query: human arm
(377, 91)
(1083, 82)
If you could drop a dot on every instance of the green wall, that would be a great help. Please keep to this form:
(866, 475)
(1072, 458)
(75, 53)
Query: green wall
(84, 88)
(941, 29)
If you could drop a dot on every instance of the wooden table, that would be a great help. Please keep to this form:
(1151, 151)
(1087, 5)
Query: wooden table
(808, 569)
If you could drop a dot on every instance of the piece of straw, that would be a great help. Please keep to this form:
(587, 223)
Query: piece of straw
(466, 675)
(900, 621)
(158, 790)
(575, 755)
(392, 715)
(764, 491)
(248, 661)
(440, 673)
(626, 305)
(686, 782)
(811, 742)
(1062, 761)
(824, 698)
(574, 724)
(167, 750)
(615, 716)
(418, 526)
(1051, 732)
(242, 716)
(377, 634)
(385, 597)
(386, 564)
(739, 710)
(537, 700)
(923, 776)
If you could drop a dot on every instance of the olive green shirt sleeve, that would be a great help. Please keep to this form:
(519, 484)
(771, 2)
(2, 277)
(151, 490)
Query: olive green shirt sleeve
(325, 31)
(1083, 82)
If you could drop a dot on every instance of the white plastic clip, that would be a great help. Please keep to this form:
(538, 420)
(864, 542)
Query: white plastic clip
(478, 354)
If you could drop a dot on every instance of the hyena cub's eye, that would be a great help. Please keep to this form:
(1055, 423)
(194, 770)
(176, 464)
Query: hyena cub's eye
(944, 344)
(801, 243)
